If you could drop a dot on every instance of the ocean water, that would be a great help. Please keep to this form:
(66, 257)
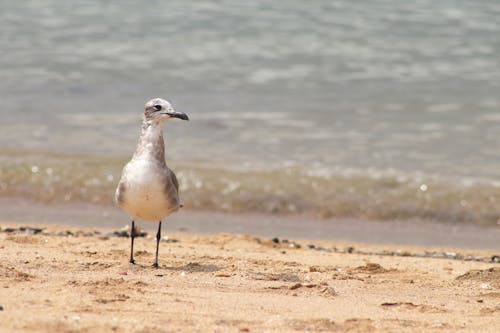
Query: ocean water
(380, 98)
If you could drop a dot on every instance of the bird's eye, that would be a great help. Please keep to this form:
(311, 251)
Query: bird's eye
(157, 107)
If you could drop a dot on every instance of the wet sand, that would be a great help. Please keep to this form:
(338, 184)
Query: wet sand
(416, 232)
(237, 283)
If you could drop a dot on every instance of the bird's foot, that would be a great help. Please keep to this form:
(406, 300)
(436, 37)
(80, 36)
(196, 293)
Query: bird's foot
(132, 261)
(155, 265)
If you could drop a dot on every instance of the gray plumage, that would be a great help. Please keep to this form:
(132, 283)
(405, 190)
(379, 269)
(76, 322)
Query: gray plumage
(148, 190)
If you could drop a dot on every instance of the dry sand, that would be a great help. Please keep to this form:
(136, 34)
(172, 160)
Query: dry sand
(237, 283)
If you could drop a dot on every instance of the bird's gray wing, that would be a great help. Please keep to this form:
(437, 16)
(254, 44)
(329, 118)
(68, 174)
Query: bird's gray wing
(172, 189)
(174, 181)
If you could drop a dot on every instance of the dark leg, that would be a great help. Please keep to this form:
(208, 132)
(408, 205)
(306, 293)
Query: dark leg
(158, 237)
(132, 235)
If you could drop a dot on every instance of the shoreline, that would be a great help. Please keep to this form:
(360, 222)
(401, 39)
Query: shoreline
(294, 190)
(393, 233)
(235, 283)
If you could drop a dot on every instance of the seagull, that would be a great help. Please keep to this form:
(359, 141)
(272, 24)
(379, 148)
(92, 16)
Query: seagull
(148, 190)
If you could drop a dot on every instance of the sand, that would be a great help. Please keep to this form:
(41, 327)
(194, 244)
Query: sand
(237, 283)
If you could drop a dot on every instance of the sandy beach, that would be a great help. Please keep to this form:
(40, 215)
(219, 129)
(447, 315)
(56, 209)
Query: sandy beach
(339, 171)
(67, 279)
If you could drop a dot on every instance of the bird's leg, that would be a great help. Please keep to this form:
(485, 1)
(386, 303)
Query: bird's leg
(158, 237)
(132, 235)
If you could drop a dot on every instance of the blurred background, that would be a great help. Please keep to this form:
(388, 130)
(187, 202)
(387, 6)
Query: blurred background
(380, 110)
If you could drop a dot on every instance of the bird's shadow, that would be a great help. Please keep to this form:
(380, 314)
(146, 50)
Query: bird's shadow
(192, 267)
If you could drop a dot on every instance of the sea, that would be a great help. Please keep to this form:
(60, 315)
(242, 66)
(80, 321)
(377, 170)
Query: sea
(383, 110)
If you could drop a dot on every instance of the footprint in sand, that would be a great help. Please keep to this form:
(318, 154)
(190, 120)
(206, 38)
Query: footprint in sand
(490, 276)
(408, 306)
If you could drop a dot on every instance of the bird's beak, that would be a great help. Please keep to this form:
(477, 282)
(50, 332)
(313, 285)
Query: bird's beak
(175, 114)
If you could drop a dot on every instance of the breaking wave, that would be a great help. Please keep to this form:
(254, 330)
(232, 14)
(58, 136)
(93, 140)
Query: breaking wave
(281, 190)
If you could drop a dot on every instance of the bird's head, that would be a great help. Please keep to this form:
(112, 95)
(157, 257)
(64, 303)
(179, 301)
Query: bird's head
(160, 110)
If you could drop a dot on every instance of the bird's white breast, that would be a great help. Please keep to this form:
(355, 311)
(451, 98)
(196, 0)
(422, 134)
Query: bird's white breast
(144, 194)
